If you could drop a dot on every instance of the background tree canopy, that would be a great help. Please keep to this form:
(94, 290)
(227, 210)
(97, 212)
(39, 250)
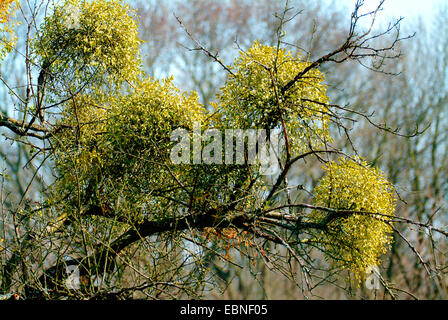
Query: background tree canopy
(93, 89)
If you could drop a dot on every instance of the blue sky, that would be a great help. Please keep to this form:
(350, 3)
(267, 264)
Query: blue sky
(409, 9)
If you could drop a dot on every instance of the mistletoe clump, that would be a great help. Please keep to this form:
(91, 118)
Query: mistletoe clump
(118, 153)
(359, 232)
(90, 41)
(254, 96)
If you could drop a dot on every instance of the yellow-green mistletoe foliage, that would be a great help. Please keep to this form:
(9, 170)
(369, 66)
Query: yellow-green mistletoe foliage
(5, 9)
(117, 156)
(7, 39)
(90, 42)
(355, 241)
(252, 98)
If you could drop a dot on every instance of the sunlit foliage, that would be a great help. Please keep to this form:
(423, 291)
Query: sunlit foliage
(117, 154)
(252, 98)
(355, 240)
(90, 42)
(7, 38)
